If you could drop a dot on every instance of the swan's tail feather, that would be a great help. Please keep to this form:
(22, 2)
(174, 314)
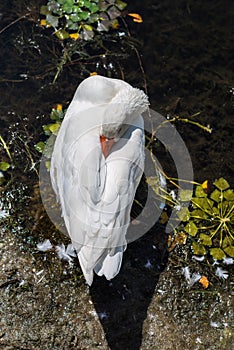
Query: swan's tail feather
(107, 263)
(110, 265)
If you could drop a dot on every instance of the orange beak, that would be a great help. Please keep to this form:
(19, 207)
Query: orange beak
(106, 145)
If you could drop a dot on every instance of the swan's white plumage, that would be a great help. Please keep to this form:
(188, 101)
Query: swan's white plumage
(95, 193)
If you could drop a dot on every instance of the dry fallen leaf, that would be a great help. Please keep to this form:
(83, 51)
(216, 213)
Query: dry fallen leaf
(136, 17)
(59, 107)
(205, 185)
(74, 36)
(204, 282)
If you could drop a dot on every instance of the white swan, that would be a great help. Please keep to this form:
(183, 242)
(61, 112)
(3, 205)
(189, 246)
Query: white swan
(96, 166)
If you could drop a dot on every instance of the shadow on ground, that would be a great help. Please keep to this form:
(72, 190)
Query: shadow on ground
(122, 303)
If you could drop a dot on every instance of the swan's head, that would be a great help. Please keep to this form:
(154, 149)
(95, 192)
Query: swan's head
(124, 110)
(119, 106)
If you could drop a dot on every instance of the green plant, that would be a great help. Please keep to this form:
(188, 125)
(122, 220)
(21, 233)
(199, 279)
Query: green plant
(51, 131)
(210, 221)
(81, 18)
(4, 166)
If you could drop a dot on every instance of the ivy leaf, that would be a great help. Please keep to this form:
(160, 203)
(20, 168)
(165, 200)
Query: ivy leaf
(199, 192)
(74, 18)
(221, 184)
(56, 114)
(154, 183)
(186, 195)
(121, 4)
(198, 214)
(40, 146)
(198, 249)
(84, 15)
(113, 12)
(103, 6)
(230, 251)
(54, 128)
(229, 195)
(87, 27)
(216, 195)
(4, 166)
(204, 203)
(191, 228)
(47, 164)
(217, 253)
(205, 239)
(52, 20)
(62, 34)
(72, 25)
(44, 10)
(93, 8)
(67, 8)
(183, 214)
(227, 242)
(49, 146)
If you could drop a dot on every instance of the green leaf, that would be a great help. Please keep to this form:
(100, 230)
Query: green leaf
(46, 129)
(121, 4)
(56, 114)
(81, 3)
(67, 8)
(84, 15)
(216, 195)
(40, 146)
(4, 166)
(52, 20)
(198, 214)
(47, 164)
(94, 8)
(94, 17)
(227, 242)
(49, 146)
(230, 251)
(54, 128)
(183, 214)
(205, 239)
(75, 17)
(217, 253)
(186, 195)
(203, 203)
(198, 249)
(191, 228)
(103, 6)
(221, 184)
(44, 10)
(62, 34)
(225, 206)
(72, 25)
(199, 192)
(54, 7)
(87, 3)
(229, 195)
(87, 27)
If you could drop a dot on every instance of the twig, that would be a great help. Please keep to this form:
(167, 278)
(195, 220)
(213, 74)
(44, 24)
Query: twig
(15, 21)
(6, 147)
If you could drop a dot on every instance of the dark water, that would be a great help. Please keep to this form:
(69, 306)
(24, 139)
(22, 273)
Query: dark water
(186, 51)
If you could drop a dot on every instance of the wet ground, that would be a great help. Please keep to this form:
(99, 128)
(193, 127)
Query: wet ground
(187, 55)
